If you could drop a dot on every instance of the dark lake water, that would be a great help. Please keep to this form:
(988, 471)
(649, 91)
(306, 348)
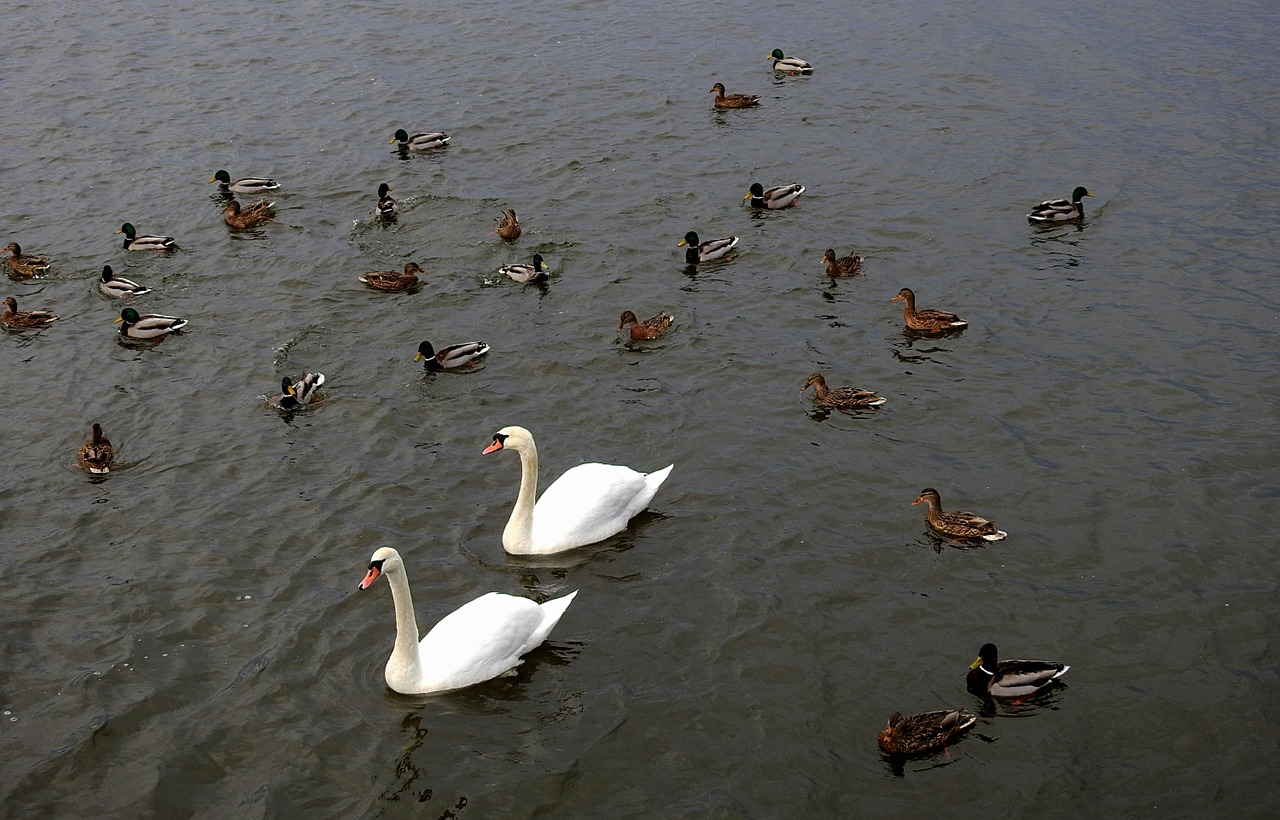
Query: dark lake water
(184, 637)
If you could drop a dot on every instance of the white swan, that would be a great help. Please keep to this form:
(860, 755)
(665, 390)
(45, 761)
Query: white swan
(587, 504)
(477, 641)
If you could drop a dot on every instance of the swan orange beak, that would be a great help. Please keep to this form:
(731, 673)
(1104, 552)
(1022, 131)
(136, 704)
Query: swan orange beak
(497, 445)
(370, 577)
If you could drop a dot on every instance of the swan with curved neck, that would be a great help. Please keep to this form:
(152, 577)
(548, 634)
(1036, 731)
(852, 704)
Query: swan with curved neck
(478, 641)
(589, 503)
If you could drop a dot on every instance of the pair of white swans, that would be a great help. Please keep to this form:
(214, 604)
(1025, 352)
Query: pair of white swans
(487, 636)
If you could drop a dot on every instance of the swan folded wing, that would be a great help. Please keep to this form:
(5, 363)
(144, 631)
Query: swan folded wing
(481, 640)
(592, 502)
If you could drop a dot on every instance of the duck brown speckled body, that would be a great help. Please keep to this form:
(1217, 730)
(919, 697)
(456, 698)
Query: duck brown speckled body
(924, 732)
(390, 280)
(247, 216)
(25, 264)
(850, 265)
(650, 328)
(960, 525)
(733, 100)
(97, 454)
(927, 320)
(842, 398)
(26, 319)
(508, 226)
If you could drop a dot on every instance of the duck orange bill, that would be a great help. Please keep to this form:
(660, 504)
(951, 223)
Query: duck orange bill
(917, 501)
(497, 445)
(370, 577)
(118, 319)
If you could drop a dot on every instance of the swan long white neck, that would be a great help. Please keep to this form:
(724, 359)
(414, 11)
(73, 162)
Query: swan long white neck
(517, 538)
(405, 660)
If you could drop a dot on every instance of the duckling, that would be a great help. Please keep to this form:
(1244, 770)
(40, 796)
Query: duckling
(789, 65)
(420, 142)
(988, 675)
(923, 732)
(705, 251)
(841, 398)
(959, 525)
(145, 242)
(1060, 210)
(650, 328)
(927, 320)
(297, 394)
(389, 280)
(508, 225)
(247, 185)
(783, 196)
(453, 356)
(97, 454)
(148, 325)
(23, 264)
(850, 265)
(527, 273)
(733, 100)
(117, 286)
(27, 319)
(249, 216)
(387, 209)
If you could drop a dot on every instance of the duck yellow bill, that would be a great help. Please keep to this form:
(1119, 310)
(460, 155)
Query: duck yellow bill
(747, 196)
(679, 244)
(976, 663)
(393, 139)
(118, 319)
(215, 179)
(370, 577)
(417, 357)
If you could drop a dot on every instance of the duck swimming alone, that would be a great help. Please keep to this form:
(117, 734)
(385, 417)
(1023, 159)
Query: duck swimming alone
(148, 325)
(988, 675)
(789, 65)
(841, 398)
(733, 100)
(850, 265)
(783, 196)
(960, 525)
(508, 226)
(463, 354)
(97, 454)
(390, 280)
(133, 241)
(247, 185)
(927, 320)
(924, 732)
(525, 274)
(420, 142)
(707, 251)
(387, 209)
(1060, 210)
(650, 328)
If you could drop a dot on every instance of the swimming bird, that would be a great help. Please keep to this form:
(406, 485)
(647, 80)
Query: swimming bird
(390, 280)
(1060, 210)
(463, 354)
(97, 454)
(148, 325)
(841, 398)
(300, 393)
(733, 100)
(117, 286)
(789, 65)
(247, 185)
(420, 142)
(387, 208)
(508, 225)
(478, 641)
(959, 525)
(705, 251)
(850, 265)
(928, 319)
(25, 264)
(924, 732)
(248, 216)
(783, 196)
(25, 320)
(589, 503)
(145, 242)
(526, 273)
(650, 328)
(988, 675)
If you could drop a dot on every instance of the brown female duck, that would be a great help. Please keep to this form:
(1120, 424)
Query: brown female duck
(389, 280)
(650, 328)
(733, 100)
(27, 319)
(959, 525)
(97, 454)
(24, 264)
(841, 398)
(927, 320)
(850, 265)
(242, 218)
(924, 732)
(508, 225)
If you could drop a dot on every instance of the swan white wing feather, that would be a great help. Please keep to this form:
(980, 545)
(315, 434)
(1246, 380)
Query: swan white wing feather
(590, 503)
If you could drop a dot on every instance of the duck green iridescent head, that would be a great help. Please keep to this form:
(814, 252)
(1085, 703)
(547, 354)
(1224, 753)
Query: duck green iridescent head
(1080, 192)
(776, 55)
(223, 177)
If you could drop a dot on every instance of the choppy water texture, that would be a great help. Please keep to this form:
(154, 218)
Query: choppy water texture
(185, 637)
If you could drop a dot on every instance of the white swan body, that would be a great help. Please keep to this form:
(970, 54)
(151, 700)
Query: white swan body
(589, 503)
(480, 640)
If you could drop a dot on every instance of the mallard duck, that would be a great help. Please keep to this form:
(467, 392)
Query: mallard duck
(116, 287)
(27, 319)
(923, 732)
(527, 273)
(297, 394)
(508, 225)
(387, 208)
(850, 265)
(988, 675)
(242, 218)
(96, 454)
(789, 65)
(25, 264)
(927, 320)
(1060, 210)
(248, 185)
(733, 100)
(390, 280)
(783, 196)
(841, 398)
(146, 242)
(650, 328)
(453, 356)
(420, 142)
(960, 525)
(705, 251)
(148, 325)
